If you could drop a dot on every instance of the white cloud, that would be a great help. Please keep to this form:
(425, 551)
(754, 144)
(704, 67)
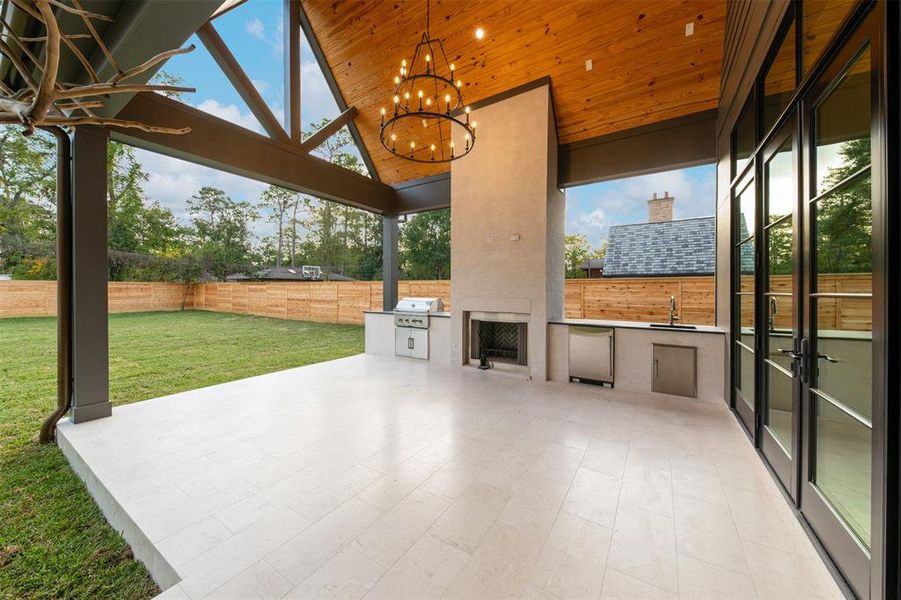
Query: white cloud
(231, 113)
(256, 28)
(316, 100)
(595, 218)
(173, 181)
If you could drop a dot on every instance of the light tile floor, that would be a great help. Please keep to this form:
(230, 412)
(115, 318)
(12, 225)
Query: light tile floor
(373, 477)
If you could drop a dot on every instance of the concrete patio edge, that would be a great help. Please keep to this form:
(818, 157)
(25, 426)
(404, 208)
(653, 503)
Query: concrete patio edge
(143, 549)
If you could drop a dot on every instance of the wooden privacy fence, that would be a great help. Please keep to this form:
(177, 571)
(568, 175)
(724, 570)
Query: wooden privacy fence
(38, 298)
(641, 299)
(323, 301)
(626, 299)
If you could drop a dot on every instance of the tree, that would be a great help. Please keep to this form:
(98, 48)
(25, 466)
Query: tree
(576, 251)
(844, 220)
(221, 230)
(279, 201)
(27, 204)
(342, 236)
(425, 245)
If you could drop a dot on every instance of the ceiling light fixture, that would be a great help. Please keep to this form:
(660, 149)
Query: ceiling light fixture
(437, 113)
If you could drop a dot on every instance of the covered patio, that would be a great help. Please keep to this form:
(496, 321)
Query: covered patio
(353, 479)
(476, 452)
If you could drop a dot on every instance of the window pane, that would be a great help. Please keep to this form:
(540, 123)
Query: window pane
(781, 184)
(779, 82)
(821, 19)
(843, 465)
(745, 318)
(844, 351)
(843, 126)
(744, 377)
(745, 137)
(746, 203)
(779, 259)
(746, 266)
(844, 231)
(779, 406)
(779, 322)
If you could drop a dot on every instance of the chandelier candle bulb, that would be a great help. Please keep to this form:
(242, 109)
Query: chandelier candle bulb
(433, 151)
(396, 80)
(452, 149)
(383, 115)
(447, 100)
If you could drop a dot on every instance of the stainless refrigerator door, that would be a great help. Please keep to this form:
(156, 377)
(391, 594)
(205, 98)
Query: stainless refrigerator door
(591, 353)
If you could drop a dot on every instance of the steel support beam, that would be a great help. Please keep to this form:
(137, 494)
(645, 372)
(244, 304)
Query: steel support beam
(292, 69)
(316, 140)
(216, 143)
(429, 193)
(90, 360)
(336, 91)
(673, 144)
(242, 83)
(390, 266)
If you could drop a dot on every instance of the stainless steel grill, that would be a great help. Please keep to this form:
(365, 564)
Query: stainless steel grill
(414, 312)
(411, 326)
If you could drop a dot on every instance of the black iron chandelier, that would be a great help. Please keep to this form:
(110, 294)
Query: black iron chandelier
(428, 110)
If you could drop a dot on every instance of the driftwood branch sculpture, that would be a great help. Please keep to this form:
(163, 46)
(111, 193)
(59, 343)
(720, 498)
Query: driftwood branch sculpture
(43, 100)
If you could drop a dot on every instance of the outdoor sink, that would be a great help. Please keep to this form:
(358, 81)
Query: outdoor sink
(673, 326)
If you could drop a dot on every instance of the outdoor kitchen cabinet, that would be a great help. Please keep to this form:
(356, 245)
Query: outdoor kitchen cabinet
(675, 370)
(411, 342)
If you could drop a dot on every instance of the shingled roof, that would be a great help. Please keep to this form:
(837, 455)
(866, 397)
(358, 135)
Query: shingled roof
(682, 247)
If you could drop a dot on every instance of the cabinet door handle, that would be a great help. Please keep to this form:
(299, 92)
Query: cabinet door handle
(410, 343)
(656, 368)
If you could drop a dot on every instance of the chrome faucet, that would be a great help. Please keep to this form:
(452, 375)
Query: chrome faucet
(672, 311)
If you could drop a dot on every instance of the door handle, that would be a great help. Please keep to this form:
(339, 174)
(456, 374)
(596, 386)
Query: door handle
(409, 343)
(794, 355)
(828, 358)
(656, 368)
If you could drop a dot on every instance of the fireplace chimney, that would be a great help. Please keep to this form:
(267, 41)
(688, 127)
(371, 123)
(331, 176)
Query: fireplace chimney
(660, 209)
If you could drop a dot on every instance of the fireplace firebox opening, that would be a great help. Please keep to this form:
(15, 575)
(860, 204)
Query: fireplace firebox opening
(498, 341)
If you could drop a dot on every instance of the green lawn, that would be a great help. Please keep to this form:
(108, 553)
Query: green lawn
(54, 543)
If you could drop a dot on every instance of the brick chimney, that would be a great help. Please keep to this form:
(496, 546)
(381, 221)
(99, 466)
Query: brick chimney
(660, 209)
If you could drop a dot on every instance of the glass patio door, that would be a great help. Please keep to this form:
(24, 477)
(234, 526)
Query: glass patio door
(840, 204)
(781, 358)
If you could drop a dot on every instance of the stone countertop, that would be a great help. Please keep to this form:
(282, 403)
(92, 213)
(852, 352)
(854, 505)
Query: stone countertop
(635, 325)
(445, 315)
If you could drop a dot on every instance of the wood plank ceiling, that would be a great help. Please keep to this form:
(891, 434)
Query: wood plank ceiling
(645, 69)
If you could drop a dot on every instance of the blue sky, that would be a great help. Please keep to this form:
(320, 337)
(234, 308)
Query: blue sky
(254, 33)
